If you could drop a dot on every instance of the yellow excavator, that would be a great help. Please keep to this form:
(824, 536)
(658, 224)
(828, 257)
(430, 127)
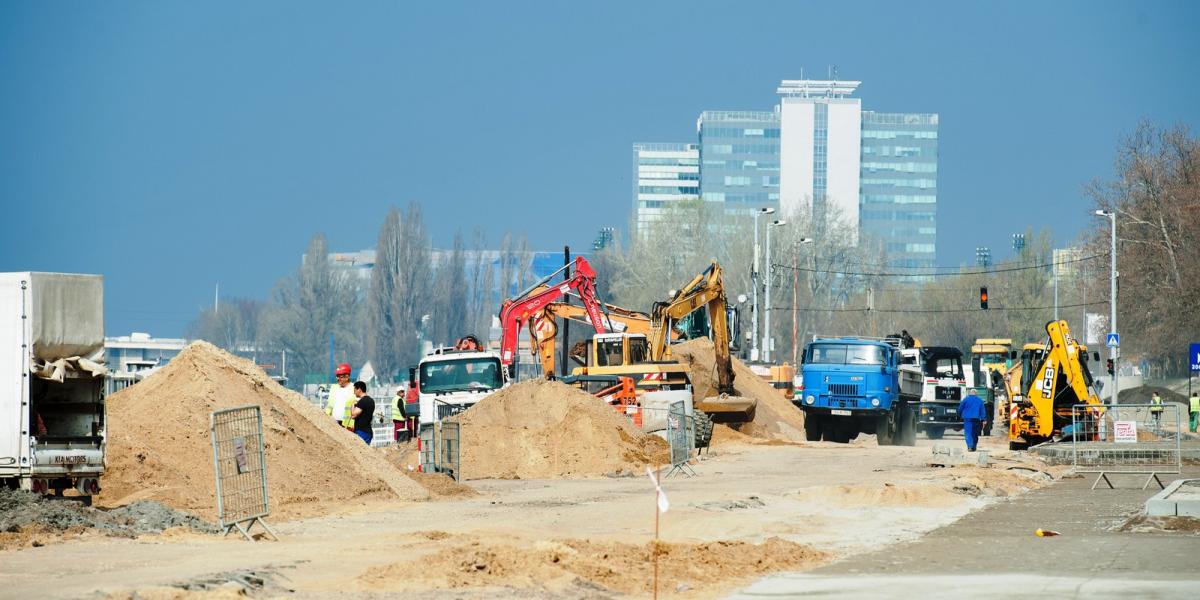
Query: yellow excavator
(1053, 378)
(543, 330)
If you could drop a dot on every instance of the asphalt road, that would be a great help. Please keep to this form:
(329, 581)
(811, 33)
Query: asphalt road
(995, 553)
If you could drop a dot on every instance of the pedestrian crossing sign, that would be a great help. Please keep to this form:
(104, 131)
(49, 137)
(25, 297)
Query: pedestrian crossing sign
(1114, 340)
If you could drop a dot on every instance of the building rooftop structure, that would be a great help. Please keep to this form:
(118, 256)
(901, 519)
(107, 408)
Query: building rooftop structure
(817, 88)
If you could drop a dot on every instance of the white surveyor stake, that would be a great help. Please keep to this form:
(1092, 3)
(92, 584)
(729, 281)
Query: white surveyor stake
(661, 507)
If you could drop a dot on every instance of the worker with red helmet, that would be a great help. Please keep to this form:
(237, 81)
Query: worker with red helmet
(341, 397)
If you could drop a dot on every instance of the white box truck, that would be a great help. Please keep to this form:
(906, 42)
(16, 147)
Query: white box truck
(52, 414)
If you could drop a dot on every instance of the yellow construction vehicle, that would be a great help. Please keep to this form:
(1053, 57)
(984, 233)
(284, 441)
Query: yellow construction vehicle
(706, 290)
(1053, 377)
(543, 330)
(993, 354)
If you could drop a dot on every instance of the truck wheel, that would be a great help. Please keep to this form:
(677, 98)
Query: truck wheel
(812, 427)
(935, 433)
(987, 429)
(885, 430)
(704, 428)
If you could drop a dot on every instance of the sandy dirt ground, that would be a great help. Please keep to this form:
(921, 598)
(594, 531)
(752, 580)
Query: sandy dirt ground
(754, 508)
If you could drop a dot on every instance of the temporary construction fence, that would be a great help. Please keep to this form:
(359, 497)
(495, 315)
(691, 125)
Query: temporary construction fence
(440, 449)
(1136, 439)
(679, 426)
(240, 466)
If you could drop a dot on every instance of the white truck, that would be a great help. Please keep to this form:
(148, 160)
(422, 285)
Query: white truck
(52, 413)
(451, 381)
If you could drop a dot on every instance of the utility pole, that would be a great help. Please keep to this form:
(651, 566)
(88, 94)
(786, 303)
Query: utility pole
(795, 307)
(767, 311)
(754, 283)
(1113, 352)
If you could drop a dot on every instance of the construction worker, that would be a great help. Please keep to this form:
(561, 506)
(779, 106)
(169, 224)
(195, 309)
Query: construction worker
(399, 422)
(362, 412)
(341, 396)
(1156, 409)
(974, 415)
(1194, 410)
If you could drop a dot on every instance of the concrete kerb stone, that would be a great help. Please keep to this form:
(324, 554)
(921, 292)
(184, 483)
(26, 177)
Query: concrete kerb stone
(945, 455)
(1181, 498)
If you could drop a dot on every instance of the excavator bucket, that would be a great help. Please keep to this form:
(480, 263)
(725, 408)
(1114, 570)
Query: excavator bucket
(728, 409)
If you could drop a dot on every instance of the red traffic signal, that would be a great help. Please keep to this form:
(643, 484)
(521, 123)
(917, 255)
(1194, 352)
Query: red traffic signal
(983, 297)
(1109, 365)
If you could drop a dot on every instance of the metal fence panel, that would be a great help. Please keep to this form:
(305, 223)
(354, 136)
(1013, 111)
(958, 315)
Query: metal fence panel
(240, 467)
(440, 449)
(679, 439)
(1139, 439)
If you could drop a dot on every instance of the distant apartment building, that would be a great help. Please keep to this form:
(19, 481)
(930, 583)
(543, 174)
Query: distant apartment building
(663, 174)
(898, 185)
(820, 149)
(739, 158)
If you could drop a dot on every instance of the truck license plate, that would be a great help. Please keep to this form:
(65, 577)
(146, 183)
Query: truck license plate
(840, 413)
(70, 460)
(952, 410)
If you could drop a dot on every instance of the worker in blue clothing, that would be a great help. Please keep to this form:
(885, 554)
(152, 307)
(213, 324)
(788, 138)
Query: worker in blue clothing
(974, 416)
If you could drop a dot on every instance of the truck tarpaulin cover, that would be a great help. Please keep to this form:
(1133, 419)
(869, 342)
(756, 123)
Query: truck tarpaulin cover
(68, 324)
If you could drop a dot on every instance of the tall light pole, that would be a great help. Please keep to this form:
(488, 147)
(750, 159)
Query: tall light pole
(795, 285)
(767, 310)
(1112, 302)
(754, 284)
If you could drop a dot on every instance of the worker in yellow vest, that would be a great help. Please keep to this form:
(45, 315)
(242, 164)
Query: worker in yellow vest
(1194, 410)
(399, 422)
(1156, 409)
(341, 397)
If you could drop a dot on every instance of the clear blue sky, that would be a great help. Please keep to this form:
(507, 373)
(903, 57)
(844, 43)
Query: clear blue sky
(172, 145)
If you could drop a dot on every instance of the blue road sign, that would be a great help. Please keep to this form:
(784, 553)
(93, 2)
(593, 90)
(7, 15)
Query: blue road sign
(1114, 340)
(1194, 357)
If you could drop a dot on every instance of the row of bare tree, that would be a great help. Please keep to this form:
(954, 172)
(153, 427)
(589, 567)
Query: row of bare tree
(413, 295)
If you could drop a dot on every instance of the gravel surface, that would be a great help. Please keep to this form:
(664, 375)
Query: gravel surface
(19, 509)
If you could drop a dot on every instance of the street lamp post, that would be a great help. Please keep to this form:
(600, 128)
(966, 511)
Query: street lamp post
(795, 286)
(1112, 302)
(767, 309)
(754, 284)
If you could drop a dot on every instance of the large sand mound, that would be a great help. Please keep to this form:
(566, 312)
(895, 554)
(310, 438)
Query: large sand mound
(546, 429)
(774, 418)
(569, 567)
(159, 446)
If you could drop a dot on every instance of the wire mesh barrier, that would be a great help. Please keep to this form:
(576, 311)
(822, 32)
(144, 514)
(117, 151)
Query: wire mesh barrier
(440, 449)
(678, 427)
(1136, 439)
(240, 466)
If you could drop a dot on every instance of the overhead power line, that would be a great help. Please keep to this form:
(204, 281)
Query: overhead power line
(935, 274)
(933, 310)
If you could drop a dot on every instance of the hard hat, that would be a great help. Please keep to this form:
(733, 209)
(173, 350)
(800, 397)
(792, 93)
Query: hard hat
(342, 369)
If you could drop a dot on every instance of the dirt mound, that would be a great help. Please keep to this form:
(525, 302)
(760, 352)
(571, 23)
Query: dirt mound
(883, 495)
(775, 418)
(613, 567)
(34, 519)
(1141, 395)
(159, 446)
(546, 429)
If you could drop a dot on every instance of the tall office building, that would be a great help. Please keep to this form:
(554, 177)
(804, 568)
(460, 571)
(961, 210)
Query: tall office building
(739, 158)
(820, 147)
(663, 174)
(899, 185)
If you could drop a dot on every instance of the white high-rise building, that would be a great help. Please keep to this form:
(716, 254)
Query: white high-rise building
(663, 174)
(820, 147)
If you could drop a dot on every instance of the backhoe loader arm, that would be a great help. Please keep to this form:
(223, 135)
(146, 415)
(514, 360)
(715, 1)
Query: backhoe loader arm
(515, 312)
(542, 328)
(705, 290)
(1061, 381)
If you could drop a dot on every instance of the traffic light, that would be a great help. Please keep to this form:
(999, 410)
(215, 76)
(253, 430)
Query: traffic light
(983, 297)
(1108, 365)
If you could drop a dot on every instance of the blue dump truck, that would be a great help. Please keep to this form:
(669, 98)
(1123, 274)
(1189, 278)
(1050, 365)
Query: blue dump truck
(856, 385)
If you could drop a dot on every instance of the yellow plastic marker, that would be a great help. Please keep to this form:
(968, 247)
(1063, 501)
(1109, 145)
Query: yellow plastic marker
(1046, 533)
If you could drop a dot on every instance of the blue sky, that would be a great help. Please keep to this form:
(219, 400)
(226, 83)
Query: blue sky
(171, 146)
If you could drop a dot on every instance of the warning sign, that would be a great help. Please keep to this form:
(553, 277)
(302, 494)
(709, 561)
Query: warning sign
(1125, 432)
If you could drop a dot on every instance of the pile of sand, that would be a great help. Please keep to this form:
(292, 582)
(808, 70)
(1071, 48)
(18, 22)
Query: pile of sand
(546, 429)
(595, 566)
(774, 418)
(159, 446)
(439, 485)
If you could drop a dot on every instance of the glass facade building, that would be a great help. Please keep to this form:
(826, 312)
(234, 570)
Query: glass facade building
(898, 202)
(662, 174)
(739, 159)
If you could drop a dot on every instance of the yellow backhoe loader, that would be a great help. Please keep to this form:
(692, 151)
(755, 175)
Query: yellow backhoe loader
(1053, 377)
